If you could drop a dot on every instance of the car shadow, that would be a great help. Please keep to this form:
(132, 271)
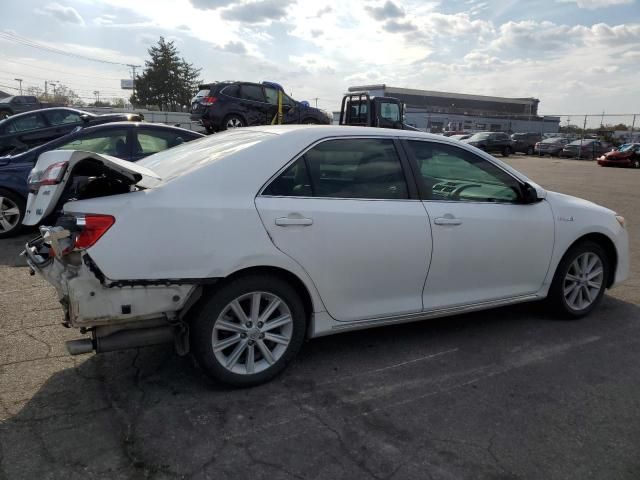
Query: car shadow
(10, 248)
(147, 413)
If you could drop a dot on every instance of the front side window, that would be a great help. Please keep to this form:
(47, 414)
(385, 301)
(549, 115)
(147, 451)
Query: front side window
(346, 168)
(26, 123)
(62, 117)
(252, 92)
(272, 95)
(113, 142)
(454, 174)
(231, 91)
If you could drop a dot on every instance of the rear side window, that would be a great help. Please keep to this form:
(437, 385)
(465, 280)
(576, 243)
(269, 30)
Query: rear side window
(150, 142)
(112, 142)
(231, 91)
(61, 117)
(251, 92)
(347, 168)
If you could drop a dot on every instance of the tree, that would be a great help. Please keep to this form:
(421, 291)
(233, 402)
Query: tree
(63, 95)
(168, 81)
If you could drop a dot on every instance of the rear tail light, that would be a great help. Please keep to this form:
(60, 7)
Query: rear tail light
(51, 176)
(209, 100)
(91, 228)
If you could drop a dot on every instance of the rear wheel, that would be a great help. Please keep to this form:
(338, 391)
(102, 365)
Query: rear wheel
(530, 151)
(12, 208)
(580, 280)
(309, 121)
(4, 114)
(249, 330)
(233, 121)
(506, 151)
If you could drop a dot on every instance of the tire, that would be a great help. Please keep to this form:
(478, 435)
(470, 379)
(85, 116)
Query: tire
(562, 298)
(530, 151)
(506, 151)
(12, 209)
(216, 321)
(4, 114)
(636, 163)
(310, 121)
(233, 121)
(209, 130)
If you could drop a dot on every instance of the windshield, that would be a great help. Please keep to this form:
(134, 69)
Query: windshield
(581, 142)
(552, 140)
(626, 148)
(480, 136)
(184, 158)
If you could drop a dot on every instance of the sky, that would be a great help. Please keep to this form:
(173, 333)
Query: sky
(576, 56)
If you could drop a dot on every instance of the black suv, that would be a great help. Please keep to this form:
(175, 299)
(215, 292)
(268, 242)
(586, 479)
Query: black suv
(525, 142)
(223, 105)
(492, 142)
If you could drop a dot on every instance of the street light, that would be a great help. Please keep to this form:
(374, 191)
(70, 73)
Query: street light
(19, 80)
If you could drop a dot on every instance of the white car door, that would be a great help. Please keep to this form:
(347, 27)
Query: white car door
(487, 244)
(345, 212)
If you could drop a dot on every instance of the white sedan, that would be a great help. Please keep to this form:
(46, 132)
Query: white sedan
(239, 246)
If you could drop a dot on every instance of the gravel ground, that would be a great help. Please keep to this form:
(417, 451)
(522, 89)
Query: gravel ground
(506, 393)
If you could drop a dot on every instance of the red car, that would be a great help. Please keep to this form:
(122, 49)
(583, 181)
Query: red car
(626, 156)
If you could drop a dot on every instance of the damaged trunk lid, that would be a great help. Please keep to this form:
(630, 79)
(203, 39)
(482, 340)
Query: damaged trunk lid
(60, 176)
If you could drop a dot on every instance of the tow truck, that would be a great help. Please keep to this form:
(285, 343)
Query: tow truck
(360, 109)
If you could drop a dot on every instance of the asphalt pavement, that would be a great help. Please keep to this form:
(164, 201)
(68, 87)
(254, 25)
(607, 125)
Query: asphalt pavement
(501, 394)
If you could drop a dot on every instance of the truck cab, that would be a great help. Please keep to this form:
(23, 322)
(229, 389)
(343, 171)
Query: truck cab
(360, 109)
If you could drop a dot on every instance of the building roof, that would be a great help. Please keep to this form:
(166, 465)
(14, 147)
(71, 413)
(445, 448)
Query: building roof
(430, 93)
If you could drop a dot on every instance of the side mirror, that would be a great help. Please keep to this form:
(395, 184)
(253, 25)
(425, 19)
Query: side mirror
(529, 194)
(85, 118)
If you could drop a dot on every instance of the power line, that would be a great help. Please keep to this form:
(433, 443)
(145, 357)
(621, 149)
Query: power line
(58, 71)
(15, 38)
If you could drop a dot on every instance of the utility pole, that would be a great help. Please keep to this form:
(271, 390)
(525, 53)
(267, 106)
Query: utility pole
(97, 94)
(633, 124)
(19, 80)
(316, 99)
(54, 84)
(46, 94)
(133, 77)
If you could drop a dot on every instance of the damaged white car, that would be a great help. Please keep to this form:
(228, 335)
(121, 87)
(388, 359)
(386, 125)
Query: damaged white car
(240, 246)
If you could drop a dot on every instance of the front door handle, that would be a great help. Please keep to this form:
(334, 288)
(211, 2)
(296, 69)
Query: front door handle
(287, 221)
(448, 219)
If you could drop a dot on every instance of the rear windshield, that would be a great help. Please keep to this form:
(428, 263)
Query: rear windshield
(182, 159)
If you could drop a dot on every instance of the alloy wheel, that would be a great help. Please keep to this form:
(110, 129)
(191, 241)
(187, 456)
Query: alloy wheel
(252, 333)
(583, 281)
(9, 214)
(234, 122)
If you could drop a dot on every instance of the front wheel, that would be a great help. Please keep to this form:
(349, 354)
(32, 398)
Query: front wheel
(506, 151)
(249, 330)
(530, 151)
(4, 114)
(580, 280)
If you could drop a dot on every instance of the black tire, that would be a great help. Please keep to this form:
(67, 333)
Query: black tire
(506, 151)
(636, 163)
(4, 114)
(530, 151)
(206, 316)
(209, 129)
(12, 199)
(233, 121)
(556, 298)
(310, 121)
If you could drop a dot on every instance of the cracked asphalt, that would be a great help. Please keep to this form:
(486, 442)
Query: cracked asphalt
(500, 394)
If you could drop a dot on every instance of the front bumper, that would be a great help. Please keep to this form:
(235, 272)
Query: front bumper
(614, 163)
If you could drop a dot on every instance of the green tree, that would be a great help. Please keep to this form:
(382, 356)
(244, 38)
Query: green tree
(168, 81)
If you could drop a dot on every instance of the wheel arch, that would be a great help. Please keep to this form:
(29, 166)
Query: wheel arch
(300, 287)
(609, 247)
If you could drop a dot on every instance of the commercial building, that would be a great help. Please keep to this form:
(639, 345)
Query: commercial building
(441, 111)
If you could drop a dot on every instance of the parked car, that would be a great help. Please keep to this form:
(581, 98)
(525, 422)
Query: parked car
(27, 130)
(19, 104)
(587, 149)
(626, 156)
(525, 142)
(243, 244)
(222, 105)
(551, 146)
(492, 142)
(127, 140)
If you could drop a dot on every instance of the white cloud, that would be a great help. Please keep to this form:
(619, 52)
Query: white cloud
(594, 4)
(62, 13)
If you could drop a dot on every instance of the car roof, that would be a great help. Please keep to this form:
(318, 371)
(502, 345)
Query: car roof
(40, 110)
(156, 126)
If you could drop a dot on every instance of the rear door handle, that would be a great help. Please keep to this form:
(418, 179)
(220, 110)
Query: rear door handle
(447, 220)
(287, 221)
